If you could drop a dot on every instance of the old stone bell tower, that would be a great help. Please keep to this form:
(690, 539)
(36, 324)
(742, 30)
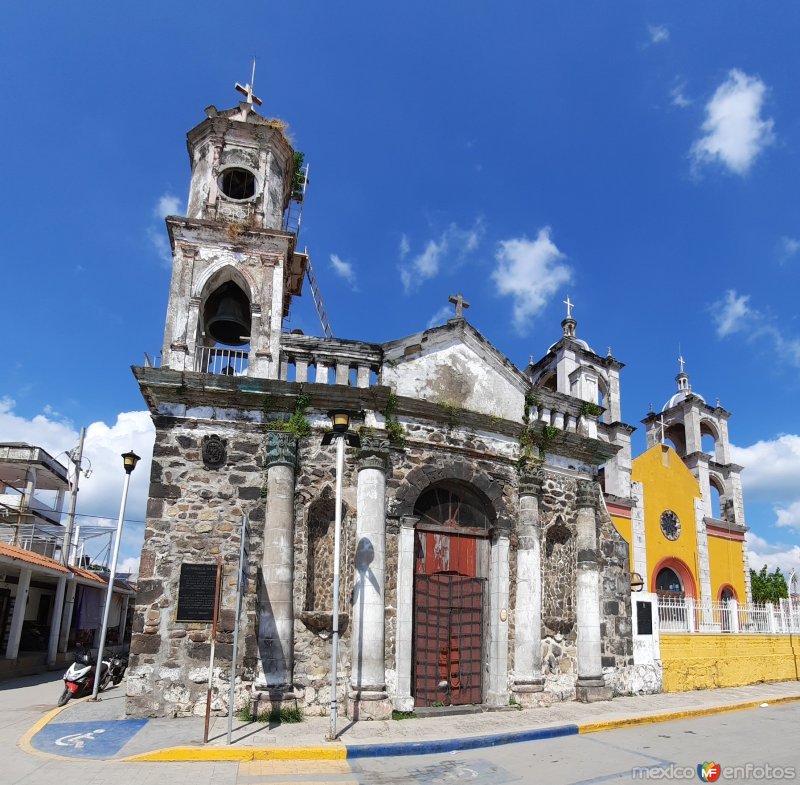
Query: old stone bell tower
(235, 269)
(479, 562)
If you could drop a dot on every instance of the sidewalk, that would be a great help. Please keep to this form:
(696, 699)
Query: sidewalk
(101, 731)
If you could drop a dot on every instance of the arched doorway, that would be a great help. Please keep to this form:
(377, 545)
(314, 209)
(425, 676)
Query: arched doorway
(669, 584)
(451, 567)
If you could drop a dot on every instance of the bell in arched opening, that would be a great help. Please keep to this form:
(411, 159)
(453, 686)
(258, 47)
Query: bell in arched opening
(227, 315)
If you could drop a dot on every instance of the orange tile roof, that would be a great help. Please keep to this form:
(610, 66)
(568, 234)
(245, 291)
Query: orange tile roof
(30, 557)
(89, 575)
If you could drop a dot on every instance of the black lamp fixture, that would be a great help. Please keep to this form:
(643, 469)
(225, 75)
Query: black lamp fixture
(340, 418)
(129, 461)
(637, 583)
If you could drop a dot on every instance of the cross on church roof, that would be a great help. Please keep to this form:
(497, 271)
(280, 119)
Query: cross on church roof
(682, 362)
(460, 304)
(570, 306)
(247, 90)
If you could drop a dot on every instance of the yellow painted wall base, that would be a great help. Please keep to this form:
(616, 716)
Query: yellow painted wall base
(701, 662)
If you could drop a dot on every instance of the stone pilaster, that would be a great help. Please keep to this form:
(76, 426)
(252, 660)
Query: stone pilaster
(276, 621)
(367, 698)
(528, 678)
(497, 688)
(405, 612)
(590, 686)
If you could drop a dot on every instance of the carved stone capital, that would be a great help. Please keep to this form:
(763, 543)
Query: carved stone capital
(587, 494)
(530, 481)
(408, 521)
(374, 453)
(281, 449)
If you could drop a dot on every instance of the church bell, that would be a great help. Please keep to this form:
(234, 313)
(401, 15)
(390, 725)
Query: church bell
(227, 316)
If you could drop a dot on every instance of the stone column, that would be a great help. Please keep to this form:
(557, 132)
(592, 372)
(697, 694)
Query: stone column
(18, 616)
(528, 678)
(497, 688)
(55, 621)
(590, 686)
(276, 621)
(66, 615)
(367, 698)
(404, 700)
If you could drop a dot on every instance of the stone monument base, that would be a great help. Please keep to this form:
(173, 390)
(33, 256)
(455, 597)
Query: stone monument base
(368, 705)
(592, 690)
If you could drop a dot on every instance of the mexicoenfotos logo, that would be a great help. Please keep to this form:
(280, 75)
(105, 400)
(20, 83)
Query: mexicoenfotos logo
(709, 771)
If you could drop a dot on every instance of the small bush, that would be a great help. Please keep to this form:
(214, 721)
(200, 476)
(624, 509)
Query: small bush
(285, 715)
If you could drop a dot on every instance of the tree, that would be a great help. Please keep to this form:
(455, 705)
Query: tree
(768, 587)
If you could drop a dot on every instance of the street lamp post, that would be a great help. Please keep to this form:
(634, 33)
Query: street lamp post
(129, 461)
(341, 434)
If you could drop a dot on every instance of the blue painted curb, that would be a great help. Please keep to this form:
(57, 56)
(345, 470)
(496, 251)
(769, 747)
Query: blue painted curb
(454, 745)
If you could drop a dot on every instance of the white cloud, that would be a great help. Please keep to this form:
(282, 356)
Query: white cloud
(678, 96)
(659, 34)
(789, 246)
(734, 131)
(781, 556)
(344, 270)
(530, 272)
(100, 493)
(789, 516)
(167, 204)
(772, 468)
(454, 243)
(444, 313)
(731, 313)
(405, 247)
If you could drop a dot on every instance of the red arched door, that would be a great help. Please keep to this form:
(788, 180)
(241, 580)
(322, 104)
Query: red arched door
(451, 566)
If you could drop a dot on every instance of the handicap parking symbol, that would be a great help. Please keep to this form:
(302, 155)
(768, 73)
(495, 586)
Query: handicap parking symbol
(78, 740)
(98, 739)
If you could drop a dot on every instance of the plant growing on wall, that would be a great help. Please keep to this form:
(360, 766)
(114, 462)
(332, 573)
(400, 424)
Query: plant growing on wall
(589, 409)
(298, 175)
(395, 431)
(297, 423)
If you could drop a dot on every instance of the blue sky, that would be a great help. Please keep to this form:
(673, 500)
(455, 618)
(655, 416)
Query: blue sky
(641, 158)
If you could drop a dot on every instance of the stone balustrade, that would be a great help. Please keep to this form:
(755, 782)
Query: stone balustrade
(305, 358)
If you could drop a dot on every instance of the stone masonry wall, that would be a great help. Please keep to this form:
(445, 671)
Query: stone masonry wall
(193, 516)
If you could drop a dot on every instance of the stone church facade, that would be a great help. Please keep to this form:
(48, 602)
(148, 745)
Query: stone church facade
(479, 562)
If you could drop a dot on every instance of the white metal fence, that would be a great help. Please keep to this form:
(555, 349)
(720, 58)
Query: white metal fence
(676, 614)
(225, 362)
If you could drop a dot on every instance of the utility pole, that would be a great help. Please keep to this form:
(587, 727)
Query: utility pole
(76, 457)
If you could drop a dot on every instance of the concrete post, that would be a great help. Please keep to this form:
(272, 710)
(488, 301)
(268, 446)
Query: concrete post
(66, 615)
(55, 621)
(497, 688)
(528, 678)
(20, 603)
(367, 698)
(771, 626)
(405, 613)
(590, 686)
(276, 622)
(733, 614)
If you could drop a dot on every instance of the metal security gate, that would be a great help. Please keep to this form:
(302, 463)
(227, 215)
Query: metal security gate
(448, 627)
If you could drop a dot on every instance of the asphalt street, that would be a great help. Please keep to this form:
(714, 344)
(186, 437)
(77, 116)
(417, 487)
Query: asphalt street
(763, 739)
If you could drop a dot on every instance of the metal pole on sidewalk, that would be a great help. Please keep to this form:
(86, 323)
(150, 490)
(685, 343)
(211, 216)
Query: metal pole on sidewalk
(130, 459)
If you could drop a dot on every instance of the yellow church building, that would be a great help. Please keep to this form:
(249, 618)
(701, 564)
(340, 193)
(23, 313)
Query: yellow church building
(687, 532)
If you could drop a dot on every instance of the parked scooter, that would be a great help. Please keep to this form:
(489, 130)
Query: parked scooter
(80, 676)
(117, 668)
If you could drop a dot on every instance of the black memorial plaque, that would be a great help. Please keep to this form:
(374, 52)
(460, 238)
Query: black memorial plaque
(196, 592)
(644, 617)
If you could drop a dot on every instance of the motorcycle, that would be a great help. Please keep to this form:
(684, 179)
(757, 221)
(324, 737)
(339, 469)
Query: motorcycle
(117, 668)
(80, 676)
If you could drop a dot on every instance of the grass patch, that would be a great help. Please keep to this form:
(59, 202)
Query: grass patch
(403, 715)
(285, 715)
